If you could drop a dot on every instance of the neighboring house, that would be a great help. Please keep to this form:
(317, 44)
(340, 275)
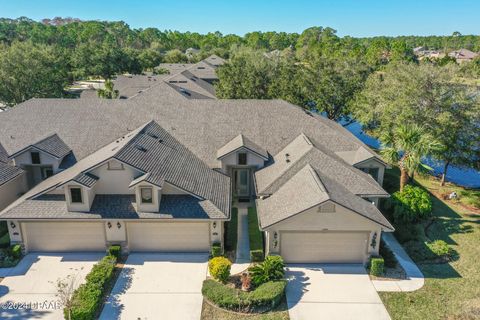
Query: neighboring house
(422, 53)
(191, 52)
(159, 171)
(463, 55)
(12, 180)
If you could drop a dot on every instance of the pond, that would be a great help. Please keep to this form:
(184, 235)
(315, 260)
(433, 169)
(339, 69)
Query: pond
(464, 177)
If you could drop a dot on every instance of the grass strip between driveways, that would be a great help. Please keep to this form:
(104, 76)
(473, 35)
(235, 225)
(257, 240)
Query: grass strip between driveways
(231, 231)
(255, 236)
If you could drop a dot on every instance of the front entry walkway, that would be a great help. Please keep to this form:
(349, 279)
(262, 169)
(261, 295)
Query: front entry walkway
(243, 242)
(333, 292)
(158, 286)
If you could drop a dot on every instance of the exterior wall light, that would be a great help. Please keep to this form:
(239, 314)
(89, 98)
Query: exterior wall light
(119, 225)
(109, 225)
(275, 239)
(13, 225)
(214, 224)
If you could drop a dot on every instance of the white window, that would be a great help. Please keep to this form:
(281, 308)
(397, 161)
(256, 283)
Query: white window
(76, 195)
(146, 195)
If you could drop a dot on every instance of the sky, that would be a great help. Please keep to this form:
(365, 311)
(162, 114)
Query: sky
(358, 18)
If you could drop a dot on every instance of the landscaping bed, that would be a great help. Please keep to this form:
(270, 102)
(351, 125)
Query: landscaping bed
(259, 290)
(231, 230)
(11, 256)
(211, 312)
(451, 285)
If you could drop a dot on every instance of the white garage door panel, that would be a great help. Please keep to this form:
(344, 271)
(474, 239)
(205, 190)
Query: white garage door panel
(65, 236)
(324, 247)
(167, 236)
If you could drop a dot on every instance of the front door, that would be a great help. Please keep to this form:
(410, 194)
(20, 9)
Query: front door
(242, 182)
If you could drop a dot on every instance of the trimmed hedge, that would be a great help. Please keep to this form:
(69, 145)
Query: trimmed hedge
(216, 250)
(219, 268)
(255, 236)
(267, 295)
(88, 297)
(376, 266)
(115, 251)
(231, 231)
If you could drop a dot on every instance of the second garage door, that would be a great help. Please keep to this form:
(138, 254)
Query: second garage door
(169, 236)
(64, 236)
(324, 247)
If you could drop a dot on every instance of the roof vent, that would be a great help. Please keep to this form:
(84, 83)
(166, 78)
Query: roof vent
(288, 160)
(141, 148)
(154, 136)
(182, 81)
(201, 68)
(184, 91)
(173, 81)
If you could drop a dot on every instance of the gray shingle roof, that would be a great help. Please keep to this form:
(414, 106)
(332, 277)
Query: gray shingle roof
(52, 145)
(309, 189)
(86, 179)
(302, 151)
(151, 150)
(8, 172)
(50, 206)
(241, 141)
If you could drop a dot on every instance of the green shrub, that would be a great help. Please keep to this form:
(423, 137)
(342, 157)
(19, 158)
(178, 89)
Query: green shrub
(405, 232)
(387, 255)
(439, 247)
(115, 251)
(255, 236)
(412, 204)
(16, 251)
(273, 268)
(376, 266)
(88, 297)
(231, 231)
(219, 268)
(266, 295)
(216, 250)
(256, 255)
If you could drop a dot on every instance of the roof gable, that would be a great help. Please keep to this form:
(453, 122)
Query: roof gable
(241, 141)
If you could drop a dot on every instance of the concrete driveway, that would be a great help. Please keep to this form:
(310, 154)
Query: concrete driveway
(29, 289)
(332, 292)
(158, 286)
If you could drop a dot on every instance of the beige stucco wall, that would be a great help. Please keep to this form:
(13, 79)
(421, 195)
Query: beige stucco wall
(232, 160)
(372, 163)
(11, 190)
(24, 158)
(115, 181)
(342, 219)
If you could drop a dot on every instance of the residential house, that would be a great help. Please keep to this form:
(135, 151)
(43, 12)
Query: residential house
(463, 55)
(159, 172)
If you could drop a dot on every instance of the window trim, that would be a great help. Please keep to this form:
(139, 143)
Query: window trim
(71, 196)
(239, 156)
(36, 153)
(141, 195)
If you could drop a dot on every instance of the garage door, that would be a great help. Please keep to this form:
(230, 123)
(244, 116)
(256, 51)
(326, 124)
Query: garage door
(64, 236)
(168, 236)
(324, 247)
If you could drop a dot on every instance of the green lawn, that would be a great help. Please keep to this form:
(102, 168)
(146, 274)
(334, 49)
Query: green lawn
(452, 290)
(231, 231)
(256, 238)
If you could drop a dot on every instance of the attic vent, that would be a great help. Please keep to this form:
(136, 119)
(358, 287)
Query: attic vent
(184, 91)
(140, 148)
(201, 68)
(173, 81)
(182, 81)
(327, 207)
(154, 136)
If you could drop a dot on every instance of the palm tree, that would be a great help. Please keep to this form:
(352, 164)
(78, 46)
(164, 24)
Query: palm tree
(405, 146)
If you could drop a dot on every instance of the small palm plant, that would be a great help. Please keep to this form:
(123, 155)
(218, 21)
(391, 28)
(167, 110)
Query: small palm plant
(405, 146)
(269, 270)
